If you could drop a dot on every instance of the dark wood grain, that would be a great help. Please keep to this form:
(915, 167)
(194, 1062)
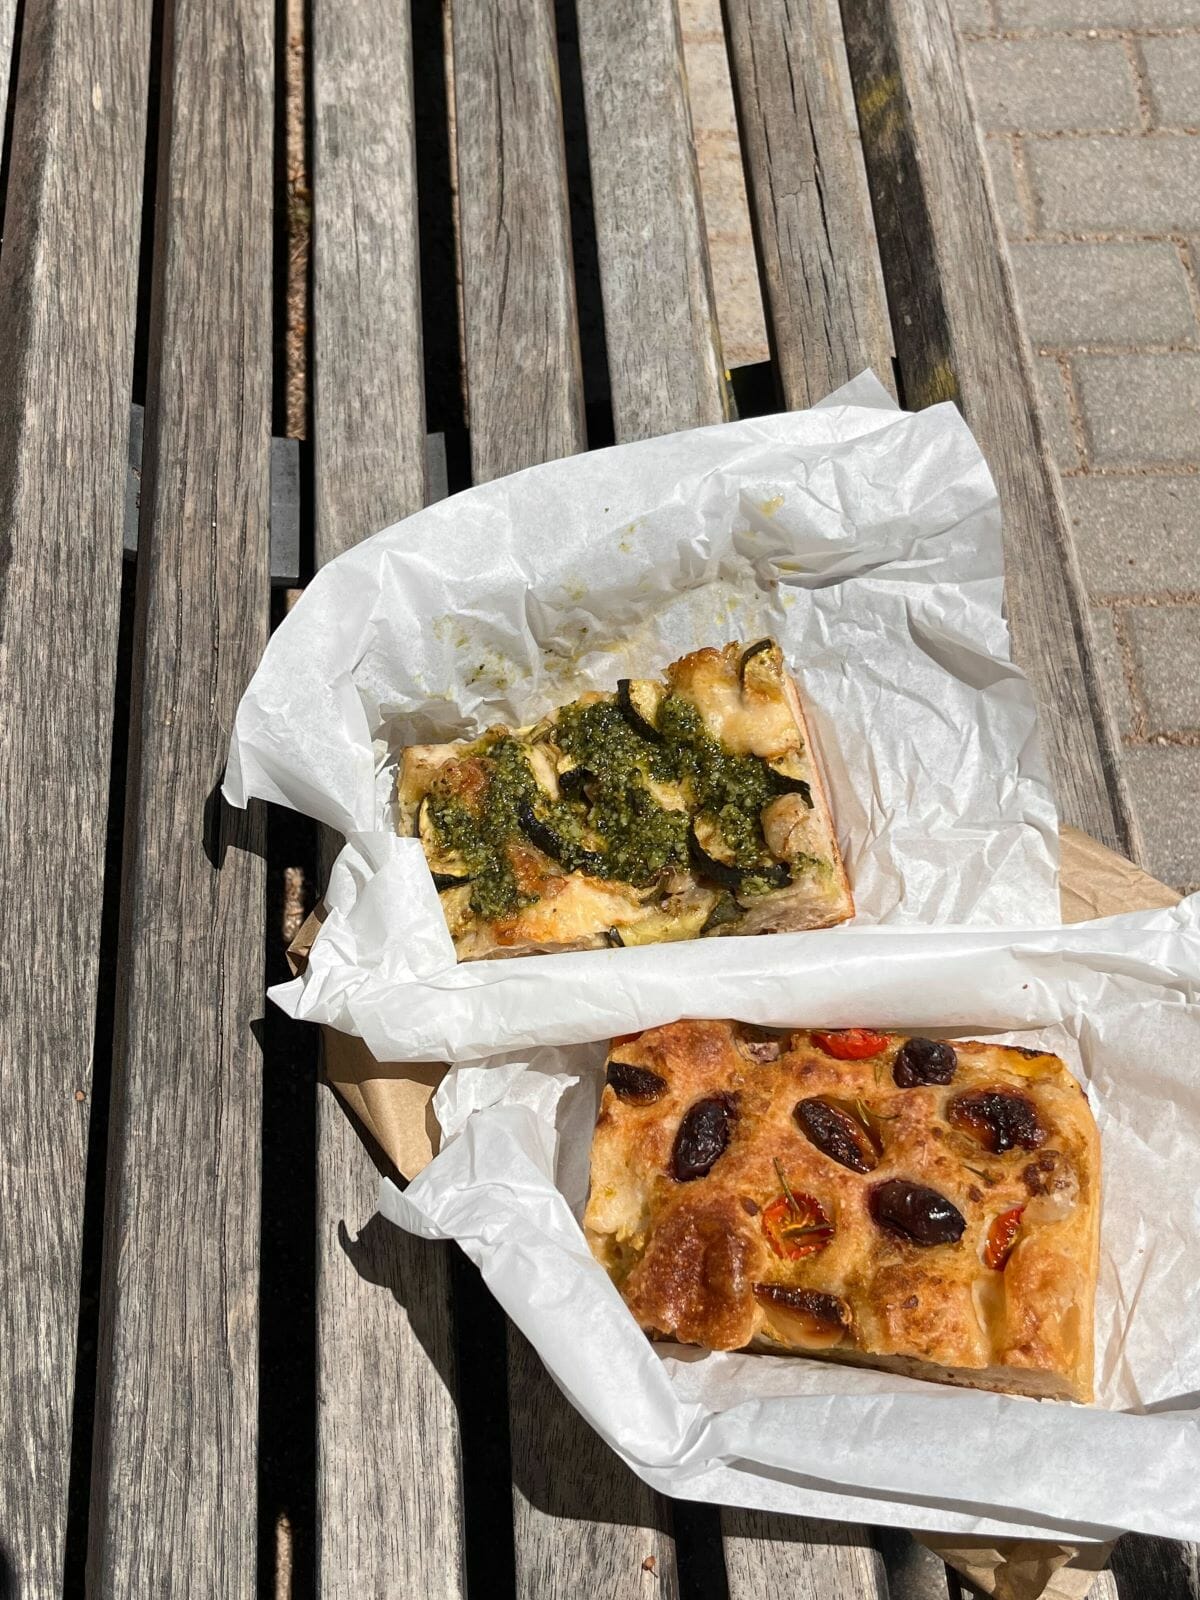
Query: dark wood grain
(174, 1469)
(959, 337)
(826, 319)
(806, 1559)
(664, 356)
(1141, 1567)
(389, 1492)
(69, 262)
(524, 391)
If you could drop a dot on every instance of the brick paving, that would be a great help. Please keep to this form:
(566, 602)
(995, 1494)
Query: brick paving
(1091, 111)
(1092, 114)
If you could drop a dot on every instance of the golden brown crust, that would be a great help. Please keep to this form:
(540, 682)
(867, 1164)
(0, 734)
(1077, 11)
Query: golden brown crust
(770, 1227)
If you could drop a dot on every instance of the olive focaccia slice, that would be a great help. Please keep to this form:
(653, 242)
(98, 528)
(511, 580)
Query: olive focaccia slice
(668, 809)
(925, 1207)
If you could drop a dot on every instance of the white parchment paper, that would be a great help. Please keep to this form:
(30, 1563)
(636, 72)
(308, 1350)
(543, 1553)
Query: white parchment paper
(1120, 1000)
(867, 540)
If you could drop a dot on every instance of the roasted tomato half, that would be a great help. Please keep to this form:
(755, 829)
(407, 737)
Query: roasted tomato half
(851, 1044)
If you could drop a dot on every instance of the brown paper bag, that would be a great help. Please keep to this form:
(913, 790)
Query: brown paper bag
(391, 1101)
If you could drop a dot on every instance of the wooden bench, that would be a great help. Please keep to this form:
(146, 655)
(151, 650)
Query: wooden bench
(217, 1375)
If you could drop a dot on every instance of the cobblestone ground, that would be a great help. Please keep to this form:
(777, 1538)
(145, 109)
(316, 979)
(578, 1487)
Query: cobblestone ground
(1091, 110)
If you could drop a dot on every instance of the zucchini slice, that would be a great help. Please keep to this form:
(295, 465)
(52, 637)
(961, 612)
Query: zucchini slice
(447, 866)
(764, 661)
(639, 700)
(669, 923)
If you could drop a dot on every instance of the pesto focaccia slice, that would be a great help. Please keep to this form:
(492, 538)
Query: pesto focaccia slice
(905, 1203)
(669, 809)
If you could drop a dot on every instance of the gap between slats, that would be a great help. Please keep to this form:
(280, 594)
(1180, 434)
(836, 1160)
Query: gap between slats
(12, 17)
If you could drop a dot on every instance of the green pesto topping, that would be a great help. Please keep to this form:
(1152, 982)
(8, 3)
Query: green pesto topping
(618, 830)
(731, 789)
(480, 837)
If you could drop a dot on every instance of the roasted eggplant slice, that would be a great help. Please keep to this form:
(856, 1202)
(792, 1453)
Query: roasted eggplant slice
(447, 866)
(573, 782)
(639, 700)
(704, 838)
(552, 843)
(788, 781)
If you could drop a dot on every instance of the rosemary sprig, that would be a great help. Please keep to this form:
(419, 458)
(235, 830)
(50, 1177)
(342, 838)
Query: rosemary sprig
(786, 1187)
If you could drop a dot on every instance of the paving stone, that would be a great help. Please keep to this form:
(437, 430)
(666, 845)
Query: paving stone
(1104, 293)
(1163, 638)
(1140, 409)
(1165, 781)
(1054, 411)
(1098, 13)
(1111, 183)
(1004, 183)
(1112, 671)
(973, 16)
(1052, 83)
(1173, 68)
(1136, 535)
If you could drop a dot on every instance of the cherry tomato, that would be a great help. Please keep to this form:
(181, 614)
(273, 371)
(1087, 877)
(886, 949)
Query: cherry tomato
(1002, 1236)
(796, 1231)
(851, 1044)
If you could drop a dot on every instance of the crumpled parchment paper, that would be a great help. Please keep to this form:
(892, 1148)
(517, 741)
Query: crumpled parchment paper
(866, 539)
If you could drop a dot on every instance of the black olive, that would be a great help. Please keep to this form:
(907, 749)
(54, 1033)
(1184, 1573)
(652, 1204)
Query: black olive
(924, 1061)
(703, 1135)
(636, 1085)
(921, 1215)
(836, 1134)
(998, 1120)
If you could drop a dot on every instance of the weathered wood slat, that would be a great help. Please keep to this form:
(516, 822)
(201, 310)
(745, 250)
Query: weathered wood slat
(581, 1520)
(664, 369)
(69, 263)
(807, 1559)
(524, 391)
(576, 1508)
(389, 1493)
(368, 395)
(8, 43)
(959, 337)
(664, 358)
(913, 1571)
(1167, 1569)
(826, 319)
(174, 1469)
